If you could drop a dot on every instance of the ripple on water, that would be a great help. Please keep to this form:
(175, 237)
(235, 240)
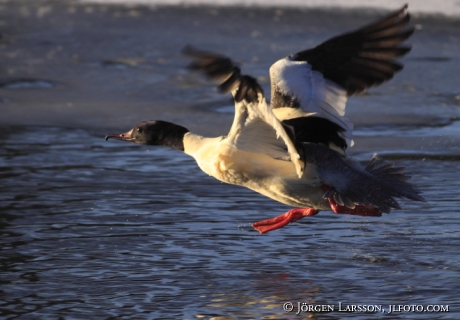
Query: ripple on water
(92, 229)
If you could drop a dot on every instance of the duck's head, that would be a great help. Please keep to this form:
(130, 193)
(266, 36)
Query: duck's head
(157, 133)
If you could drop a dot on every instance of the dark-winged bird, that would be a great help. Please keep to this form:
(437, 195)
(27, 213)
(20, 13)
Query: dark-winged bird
(293, 150)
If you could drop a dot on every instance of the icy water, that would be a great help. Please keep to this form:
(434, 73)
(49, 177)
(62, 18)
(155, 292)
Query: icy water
(110, 230)
(105, 230)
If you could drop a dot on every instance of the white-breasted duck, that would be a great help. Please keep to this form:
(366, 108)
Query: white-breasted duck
(293, 150)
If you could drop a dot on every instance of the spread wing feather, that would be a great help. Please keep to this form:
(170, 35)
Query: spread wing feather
(255, 128)
(362, 58)
(308, 99)
(317, 82)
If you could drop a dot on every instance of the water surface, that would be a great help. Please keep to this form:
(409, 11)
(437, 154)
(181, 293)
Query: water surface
(110, 230)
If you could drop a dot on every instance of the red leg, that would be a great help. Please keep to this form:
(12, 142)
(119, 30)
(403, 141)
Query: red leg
(293, 215)
(357, 211)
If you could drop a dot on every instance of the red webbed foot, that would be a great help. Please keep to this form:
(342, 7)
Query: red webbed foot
(293, 215)
(357, 210)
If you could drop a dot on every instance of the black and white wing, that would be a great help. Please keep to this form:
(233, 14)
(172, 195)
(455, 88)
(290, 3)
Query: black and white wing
(310, 88)
(255, 128)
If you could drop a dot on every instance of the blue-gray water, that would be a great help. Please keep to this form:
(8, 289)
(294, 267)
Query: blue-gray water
(110, 230)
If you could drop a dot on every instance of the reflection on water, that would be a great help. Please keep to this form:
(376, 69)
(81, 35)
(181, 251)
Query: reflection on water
(93, 229)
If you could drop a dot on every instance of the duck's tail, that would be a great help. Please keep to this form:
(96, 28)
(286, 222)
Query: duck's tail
(351, 184)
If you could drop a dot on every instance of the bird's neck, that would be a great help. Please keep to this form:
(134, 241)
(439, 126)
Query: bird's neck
(201, 147)
(173, 137)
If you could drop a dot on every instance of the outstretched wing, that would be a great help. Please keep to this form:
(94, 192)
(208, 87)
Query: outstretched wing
(318, 81)
(255, 128)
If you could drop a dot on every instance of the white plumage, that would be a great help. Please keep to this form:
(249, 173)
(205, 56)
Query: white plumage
(293, 151)
(317, 96)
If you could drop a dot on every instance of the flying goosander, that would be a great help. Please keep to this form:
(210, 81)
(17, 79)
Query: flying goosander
(293, 150)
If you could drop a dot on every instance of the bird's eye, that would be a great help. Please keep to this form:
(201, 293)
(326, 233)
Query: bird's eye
(139, 130)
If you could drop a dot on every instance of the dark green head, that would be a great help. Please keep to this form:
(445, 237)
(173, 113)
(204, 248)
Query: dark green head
(156, 133)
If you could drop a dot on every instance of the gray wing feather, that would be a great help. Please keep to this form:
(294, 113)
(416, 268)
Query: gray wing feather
(351, 184)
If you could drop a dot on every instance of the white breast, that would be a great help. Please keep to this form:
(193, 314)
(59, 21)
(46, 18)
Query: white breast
(222, 160)
(276, 179)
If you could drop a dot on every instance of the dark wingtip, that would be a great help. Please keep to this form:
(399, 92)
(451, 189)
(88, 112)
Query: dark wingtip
(365, 57)
(217, 67)
(223, 70)
(248, 90)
